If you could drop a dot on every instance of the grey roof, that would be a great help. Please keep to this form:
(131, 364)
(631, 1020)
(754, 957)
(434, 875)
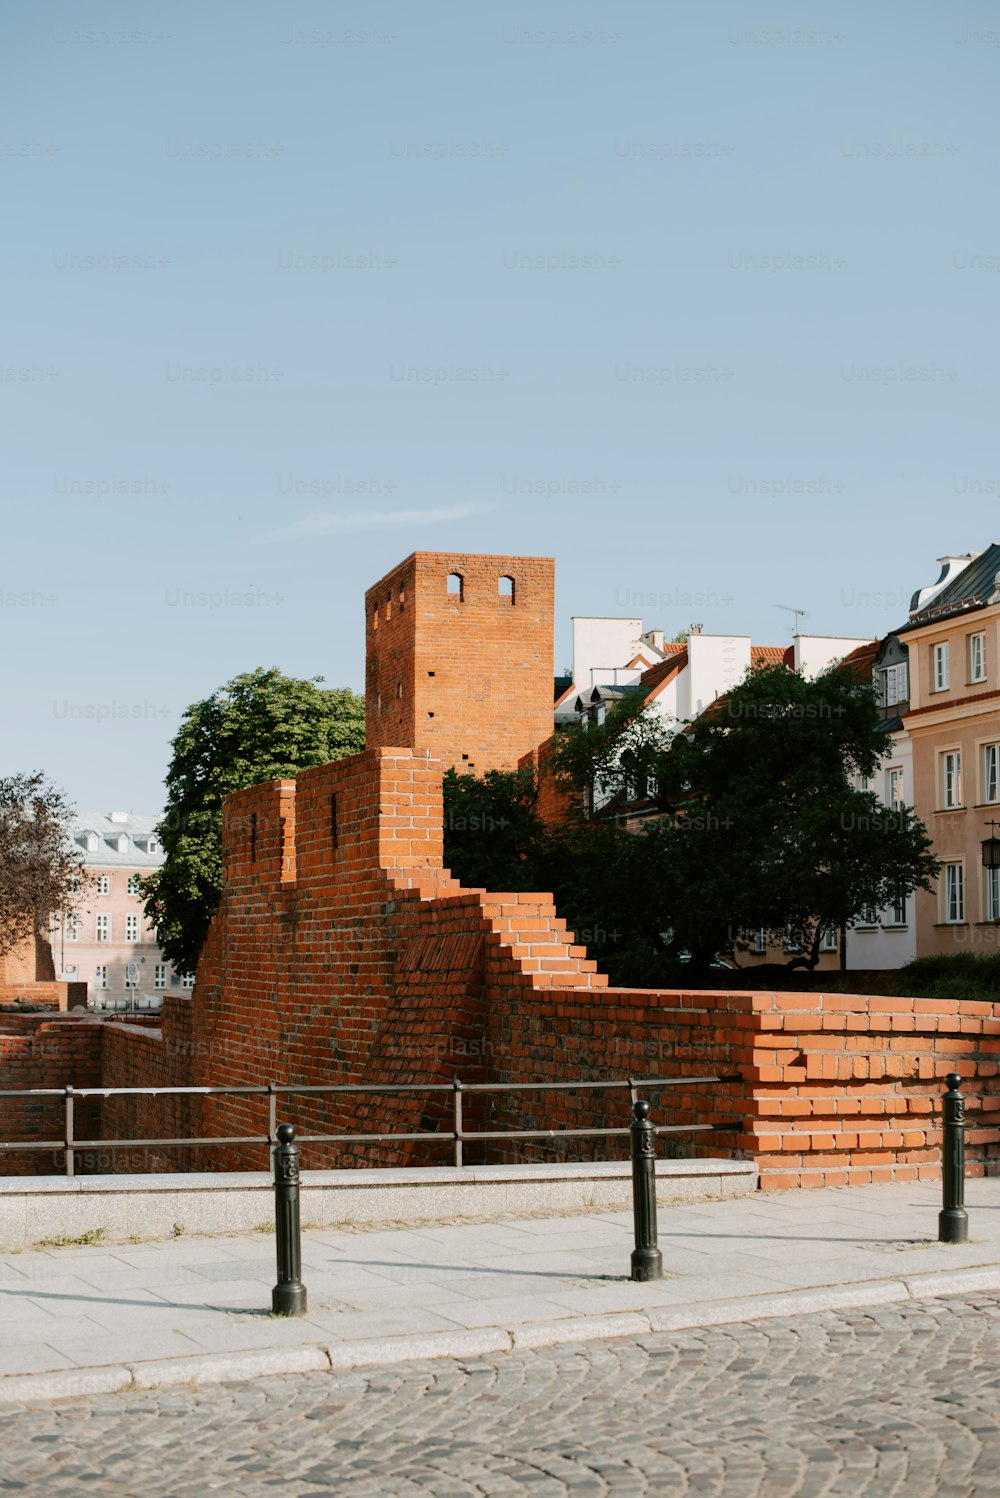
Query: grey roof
(970, 588)
(106, 855)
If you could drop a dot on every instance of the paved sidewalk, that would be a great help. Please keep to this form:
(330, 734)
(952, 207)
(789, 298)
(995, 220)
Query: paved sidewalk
(91, 1319)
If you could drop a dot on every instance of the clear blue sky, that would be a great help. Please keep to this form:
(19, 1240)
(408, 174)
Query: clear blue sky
(789, 245)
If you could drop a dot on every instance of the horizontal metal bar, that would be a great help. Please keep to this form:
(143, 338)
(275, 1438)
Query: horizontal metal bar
(132, 1144)
(431, 1134)
(371, 1089)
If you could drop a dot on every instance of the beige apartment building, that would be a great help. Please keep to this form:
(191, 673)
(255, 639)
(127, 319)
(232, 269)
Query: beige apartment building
(107, 942)
(953, 643)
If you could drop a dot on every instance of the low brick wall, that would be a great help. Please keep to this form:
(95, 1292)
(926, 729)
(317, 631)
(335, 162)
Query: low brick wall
(836, 1089)
(45, 1050)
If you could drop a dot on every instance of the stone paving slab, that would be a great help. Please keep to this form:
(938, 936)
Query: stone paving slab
(199, 1308)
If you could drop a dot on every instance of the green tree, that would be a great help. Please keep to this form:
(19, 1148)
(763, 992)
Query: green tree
(260, 726)
(761, 825)
(41, 872)
(493, 836)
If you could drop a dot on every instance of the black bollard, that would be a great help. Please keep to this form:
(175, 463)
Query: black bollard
(288, 1297)
(953, 1220)
(647, 1261)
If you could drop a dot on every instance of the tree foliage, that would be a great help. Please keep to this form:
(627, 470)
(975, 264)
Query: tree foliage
(260, 726)
(757, 824)
(41, 872)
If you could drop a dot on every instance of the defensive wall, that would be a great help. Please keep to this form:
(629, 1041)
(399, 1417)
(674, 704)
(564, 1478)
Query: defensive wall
(344, 952)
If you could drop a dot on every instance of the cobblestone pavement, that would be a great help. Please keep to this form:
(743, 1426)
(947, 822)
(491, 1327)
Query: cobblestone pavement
(896, 1400)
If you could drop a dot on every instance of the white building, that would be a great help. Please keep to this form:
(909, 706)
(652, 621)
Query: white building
(108, 943)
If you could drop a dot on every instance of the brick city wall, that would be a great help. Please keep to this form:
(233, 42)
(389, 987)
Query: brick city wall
(468, 677)
(344, 953)
(836, 1089)
(45, 1050)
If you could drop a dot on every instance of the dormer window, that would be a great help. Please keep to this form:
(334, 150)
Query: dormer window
(93, 842)
(152, 846)
(121, 843)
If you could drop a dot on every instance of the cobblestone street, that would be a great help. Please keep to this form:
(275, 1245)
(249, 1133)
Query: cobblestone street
(895, 1400)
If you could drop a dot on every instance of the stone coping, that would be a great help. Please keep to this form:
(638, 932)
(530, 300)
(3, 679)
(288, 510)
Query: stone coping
(431, 1176)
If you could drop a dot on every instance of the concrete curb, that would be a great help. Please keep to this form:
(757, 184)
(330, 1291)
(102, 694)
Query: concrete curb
(215, 1368)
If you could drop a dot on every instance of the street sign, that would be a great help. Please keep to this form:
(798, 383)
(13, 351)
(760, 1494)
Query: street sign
(132, 972)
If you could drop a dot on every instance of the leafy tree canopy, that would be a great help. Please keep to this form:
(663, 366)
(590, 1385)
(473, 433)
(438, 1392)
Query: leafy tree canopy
(40, 870)
(758, 826)
(260, 726)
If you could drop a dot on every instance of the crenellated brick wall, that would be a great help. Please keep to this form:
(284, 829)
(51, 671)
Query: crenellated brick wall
(343, 952)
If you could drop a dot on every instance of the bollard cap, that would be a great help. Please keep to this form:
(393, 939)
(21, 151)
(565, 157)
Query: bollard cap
(953, 1081)
(286, 1133)
(640, 1110)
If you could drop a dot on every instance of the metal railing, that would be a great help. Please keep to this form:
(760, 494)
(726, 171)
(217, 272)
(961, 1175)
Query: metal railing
(457, 1136)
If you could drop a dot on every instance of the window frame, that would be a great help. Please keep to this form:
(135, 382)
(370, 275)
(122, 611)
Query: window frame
(953, 875)
(950, 784)
(988, 751)
(978, 638)
(941, 666)
(102, 927)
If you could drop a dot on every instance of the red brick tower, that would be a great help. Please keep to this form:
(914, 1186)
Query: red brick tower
(460, 658)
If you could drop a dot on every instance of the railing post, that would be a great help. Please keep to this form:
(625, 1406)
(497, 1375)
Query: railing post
(647, 1261)
(272, 1125)
(70, 1152)
(288, 1298)
(953, 1220)
(458, 1123)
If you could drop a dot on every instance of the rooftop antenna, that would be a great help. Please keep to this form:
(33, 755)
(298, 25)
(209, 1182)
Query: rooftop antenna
(798, 613)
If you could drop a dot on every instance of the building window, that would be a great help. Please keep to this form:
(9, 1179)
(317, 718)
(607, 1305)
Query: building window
(951, 778)
(941, 668)
(132, 887)
(760, 942)
(991, 772)
(869, 914)
(131, 928)
(954, 892)
(899, 908)
(187, 981)
(894, 789)
(505, 589)
(101, 976)
(103, 884)
(828, 939)
(153, 845)
(456, 586)
(893, 685)
(991, 894)
(375, 619)
(160, 975)
(72, 928)
(103, 928)
(977, 657)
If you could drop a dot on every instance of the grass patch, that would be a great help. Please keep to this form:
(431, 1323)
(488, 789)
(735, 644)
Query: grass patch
(264, 1227)
(82, 1240)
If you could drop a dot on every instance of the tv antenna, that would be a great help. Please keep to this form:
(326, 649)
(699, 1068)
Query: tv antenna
(798, 613)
